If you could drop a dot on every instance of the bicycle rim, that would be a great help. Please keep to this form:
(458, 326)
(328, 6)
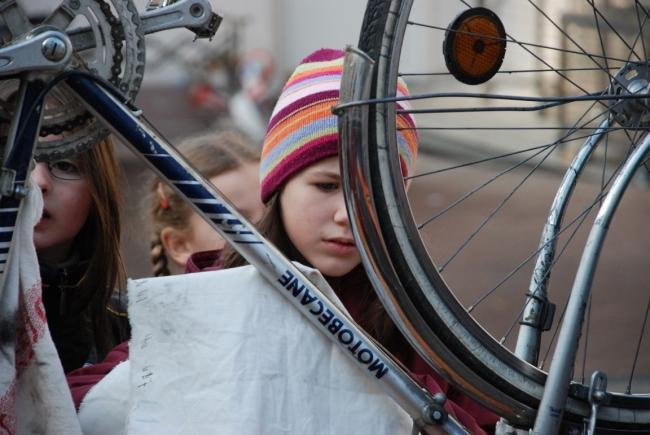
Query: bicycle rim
(436, 289)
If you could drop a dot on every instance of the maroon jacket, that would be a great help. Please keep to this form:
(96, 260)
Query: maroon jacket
(82, 380)
(355, 295)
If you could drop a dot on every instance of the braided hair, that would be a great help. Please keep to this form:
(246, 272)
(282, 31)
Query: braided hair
(211, 155)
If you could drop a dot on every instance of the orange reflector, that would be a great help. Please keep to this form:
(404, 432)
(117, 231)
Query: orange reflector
(474, 46)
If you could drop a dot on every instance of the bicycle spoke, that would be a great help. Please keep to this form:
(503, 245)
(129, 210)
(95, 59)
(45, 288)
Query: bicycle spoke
(615, 31)
(600, 37)
(532, 129)
(468, 194)
(510, 39)
(540, 149)
(481, 186)
(582, 50)
(551, 102)
(493, 212)
(582, 216)
(501, 156)
(477, 162)
(628, 389)
(521, 71)
(586, 341)
(525, 46)
(637, 6)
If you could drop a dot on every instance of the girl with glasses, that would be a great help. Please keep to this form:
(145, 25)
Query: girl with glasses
(77, 241)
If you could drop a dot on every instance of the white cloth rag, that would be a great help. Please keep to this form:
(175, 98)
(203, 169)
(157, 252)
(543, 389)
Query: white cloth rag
(34, 395)
(224, 353)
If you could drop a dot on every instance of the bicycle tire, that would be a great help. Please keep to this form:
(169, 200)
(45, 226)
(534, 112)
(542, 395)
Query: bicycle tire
(472, 353)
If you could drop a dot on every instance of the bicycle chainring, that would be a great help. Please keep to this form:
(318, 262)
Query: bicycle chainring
(116, 54)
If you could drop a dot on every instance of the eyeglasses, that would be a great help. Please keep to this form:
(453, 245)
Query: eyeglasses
(65, 169)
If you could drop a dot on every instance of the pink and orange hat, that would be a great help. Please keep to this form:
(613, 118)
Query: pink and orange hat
(303, 129)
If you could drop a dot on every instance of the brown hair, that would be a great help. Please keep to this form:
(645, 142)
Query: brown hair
(99, 239)
(211, 155)
(375, 320)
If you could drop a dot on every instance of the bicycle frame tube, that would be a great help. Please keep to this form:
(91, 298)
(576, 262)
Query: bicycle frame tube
(208, 202)
(554, 399)
(530, 331)
(15, 168)
(29, 58)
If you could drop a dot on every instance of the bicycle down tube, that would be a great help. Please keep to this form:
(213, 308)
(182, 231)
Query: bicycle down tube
(170, 166)
(20, 58)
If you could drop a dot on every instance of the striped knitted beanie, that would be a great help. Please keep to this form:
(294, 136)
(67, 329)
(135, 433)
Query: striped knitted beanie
(303, 129)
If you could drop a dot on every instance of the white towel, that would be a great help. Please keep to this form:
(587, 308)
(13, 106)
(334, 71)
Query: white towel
(34, 395)
(224, 353)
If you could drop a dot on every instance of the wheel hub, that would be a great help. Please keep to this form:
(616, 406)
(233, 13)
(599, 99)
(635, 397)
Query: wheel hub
(633, 79)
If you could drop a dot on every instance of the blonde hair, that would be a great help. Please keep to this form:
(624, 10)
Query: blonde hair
(211, 154)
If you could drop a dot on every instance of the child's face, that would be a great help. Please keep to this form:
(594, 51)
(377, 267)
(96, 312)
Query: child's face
(66, 206)
(316, 220)
(242, 188)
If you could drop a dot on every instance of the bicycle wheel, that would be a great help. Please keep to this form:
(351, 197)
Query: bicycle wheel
(467, 246)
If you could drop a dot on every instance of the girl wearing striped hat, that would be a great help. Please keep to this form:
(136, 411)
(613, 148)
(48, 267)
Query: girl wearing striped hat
(306, 217)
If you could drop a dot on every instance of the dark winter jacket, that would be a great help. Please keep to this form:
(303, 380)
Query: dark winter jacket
(67, 309)
(82, 380)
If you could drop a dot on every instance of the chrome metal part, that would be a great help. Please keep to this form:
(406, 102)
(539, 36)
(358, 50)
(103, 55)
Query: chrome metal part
(54, 49)
(551, 409)
(196, 15)
(597, 397)
(155, 4)
(14, 18)
(633, 79)
(353, 124)
(436, 411)
(358, 150)
(530, 331)
(167, 15)
(28, 54)
(7, 179)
